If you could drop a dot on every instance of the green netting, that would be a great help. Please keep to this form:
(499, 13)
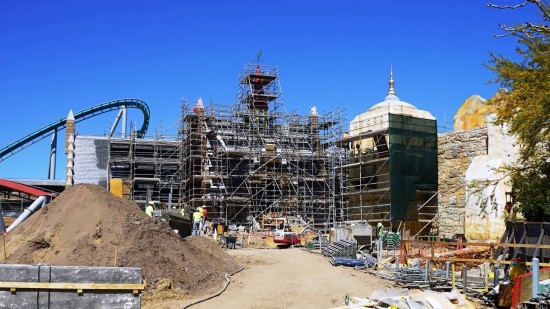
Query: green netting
(413, 167)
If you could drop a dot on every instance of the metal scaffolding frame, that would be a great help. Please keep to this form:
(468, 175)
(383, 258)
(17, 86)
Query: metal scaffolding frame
(149, 168)
(254, 159)
(366, 170)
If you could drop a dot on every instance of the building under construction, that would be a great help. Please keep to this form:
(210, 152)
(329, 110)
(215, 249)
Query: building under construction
(254, 160)
(250, 160)
(390, 165)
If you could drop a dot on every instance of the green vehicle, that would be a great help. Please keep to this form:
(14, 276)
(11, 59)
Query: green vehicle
(180, 220)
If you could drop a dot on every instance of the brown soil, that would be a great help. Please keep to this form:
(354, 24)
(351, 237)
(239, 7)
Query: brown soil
(88, 226)
(289, 278)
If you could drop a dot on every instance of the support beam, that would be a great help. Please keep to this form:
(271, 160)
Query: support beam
(124, 114)
(53, 153)
(113, 127)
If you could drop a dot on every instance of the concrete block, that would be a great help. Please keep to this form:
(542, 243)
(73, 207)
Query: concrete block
(69, 299)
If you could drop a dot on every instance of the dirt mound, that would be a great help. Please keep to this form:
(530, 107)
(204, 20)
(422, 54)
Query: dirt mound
(88, 226)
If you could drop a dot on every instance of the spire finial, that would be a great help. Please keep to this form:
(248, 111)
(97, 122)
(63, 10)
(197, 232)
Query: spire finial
(392, 83)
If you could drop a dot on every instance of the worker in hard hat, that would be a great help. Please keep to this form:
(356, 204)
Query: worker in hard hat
(379, 230)
(149, 209)
(346, 135)
(197, 218)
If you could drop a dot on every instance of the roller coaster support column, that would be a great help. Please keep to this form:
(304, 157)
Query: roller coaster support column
(124, 122)
(113, 127)
(53, 152)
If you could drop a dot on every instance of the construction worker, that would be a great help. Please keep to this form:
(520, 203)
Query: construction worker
(197, 218)
(220, 231)
(346, 135)
(204, 212)
(149, 209)
(201, 210)
(509, 212)
(204, 225)
(379, 230)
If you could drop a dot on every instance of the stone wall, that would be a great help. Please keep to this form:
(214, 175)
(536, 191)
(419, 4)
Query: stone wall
(456, 150)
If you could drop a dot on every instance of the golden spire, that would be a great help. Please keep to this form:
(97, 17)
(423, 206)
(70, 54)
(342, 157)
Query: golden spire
(392, 90)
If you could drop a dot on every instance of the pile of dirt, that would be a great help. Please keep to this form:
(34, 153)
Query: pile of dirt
(88, 226)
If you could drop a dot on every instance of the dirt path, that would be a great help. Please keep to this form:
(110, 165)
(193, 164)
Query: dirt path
(290, 278)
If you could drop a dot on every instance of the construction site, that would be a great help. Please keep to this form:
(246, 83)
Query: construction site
(385, 194)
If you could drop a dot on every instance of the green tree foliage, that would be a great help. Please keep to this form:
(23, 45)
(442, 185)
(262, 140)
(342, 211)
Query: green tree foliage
(525, 109)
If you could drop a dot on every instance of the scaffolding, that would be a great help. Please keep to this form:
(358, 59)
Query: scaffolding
(149, 169)
(254, 159)
(390, 170)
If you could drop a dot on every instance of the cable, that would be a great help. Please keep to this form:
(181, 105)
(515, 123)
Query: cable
(225, 285)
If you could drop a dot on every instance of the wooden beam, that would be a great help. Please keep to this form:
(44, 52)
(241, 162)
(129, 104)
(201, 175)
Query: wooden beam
(541, 237)
(493, 261)
(521, 241)
(71, 286)
(475, 244)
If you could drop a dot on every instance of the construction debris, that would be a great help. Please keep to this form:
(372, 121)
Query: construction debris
(404, 299)
(337, 261)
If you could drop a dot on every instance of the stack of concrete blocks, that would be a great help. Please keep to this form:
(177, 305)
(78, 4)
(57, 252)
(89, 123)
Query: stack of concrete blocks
(33, 298)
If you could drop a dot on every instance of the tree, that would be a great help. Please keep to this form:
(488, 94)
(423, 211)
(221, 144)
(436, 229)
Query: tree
(527, 29)
(525, 109)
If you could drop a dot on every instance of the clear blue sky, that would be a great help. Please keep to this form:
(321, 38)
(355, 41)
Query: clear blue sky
(62, 55)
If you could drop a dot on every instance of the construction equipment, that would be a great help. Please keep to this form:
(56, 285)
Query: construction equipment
(284, 237)
(180, 220)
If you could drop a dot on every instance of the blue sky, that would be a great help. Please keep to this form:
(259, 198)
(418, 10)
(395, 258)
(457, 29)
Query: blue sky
(62, 55)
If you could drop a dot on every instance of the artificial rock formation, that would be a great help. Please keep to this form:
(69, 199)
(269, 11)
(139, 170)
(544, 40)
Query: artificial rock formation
(474, 153)
(472, 114)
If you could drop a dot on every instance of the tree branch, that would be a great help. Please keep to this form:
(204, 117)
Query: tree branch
(503, 7)
(542, 7)
(528, 29)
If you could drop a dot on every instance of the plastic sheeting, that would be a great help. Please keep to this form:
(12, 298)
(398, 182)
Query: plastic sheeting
(413, 157)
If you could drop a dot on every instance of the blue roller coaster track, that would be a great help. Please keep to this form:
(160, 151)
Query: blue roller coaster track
(60, 124)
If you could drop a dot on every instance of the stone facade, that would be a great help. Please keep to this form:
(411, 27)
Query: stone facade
(456, 151)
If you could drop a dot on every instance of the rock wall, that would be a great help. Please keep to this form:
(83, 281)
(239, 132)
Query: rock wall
(456, 150)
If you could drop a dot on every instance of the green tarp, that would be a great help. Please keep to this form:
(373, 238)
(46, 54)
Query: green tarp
(413, 157)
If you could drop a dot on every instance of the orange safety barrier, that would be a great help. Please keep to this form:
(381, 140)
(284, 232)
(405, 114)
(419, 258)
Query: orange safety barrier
(523, 286)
